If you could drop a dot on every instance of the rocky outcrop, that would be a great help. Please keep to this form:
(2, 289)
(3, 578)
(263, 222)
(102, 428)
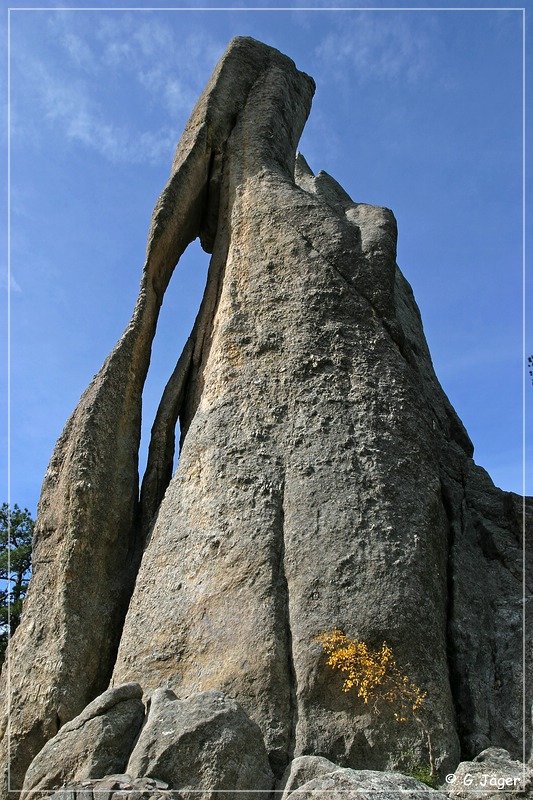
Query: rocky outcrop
(488, 612)
(206, 744)
(492, 775)
(89, 532)
(324, 479)
(119, 787)
(302, 770)
(201, 747)
(364, 785)
(94, 744)
(311, 446)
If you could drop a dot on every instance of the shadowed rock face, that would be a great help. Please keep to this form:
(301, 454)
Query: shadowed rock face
(324, 479)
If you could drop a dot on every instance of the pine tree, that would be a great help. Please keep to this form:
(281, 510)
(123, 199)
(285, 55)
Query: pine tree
(16, 531)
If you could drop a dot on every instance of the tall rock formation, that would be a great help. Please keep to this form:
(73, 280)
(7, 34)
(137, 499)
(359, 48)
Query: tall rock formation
(324, 479)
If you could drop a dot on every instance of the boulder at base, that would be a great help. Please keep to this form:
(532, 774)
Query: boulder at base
(351, 784)
(492, 775)
(205, 743)
(302, 770)
(93, 744)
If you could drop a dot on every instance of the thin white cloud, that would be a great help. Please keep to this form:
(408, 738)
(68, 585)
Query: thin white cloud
(116, 143)
(319, 129)
(71, 111)
(143, 55)
(76, 47)
(152, 38)
(155, 56)
(79, 51)
(13, 285)
(174, 95)
(370, 46)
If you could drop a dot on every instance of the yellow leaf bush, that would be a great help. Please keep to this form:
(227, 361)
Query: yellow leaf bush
(373, 674)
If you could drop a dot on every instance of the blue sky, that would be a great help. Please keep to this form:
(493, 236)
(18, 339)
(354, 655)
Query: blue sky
(417, 111)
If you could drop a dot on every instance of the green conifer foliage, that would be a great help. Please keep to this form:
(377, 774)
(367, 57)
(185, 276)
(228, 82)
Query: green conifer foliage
(16, 531)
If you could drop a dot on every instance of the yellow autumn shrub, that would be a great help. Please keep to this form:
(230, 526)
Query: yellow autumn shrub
(373, 674)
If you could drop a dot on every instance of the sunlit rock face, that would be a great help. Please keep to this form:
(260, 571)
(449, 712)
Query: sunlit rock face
(324, 480)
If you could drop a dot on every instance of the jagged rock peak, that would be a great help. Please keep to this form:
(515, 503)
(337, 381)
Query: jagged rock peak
(324, 481)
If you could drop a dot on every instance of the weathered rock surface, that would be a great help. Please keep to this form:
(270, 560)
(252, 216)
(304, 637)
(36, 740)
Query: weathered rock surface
(313, 482)
(350, 784)
(492, 774)
(206, 744)
(96, 743)
(311, 447)
(302, 770)
(324, 479)
(118, 787)
(89, 531)
(486, 615)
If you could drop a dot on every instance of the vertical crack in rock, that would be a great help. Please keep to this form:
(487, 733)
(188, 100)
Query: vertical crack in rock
(163, 440)
(486, 624)
(201, 343)
(462, 696)
(280, 760)
(484, 606)
(453, 667)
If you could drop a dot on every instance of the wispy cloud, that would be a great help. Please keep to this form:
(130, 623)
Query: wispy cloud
(172, 70)
(79, 51)
(13, 285)
(115, 143)
(68, 83)
(72, 111)
(171, 92)
(375, 46)
(6, 280)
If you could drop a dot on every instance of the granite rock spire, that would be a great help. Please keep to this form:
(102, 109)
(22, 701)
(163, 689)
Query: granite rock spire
(324, 480)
